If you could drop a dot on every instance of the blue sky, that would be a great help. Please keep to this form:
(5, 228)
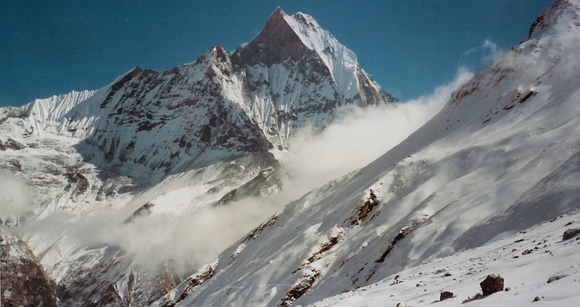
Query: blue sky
(410, 47)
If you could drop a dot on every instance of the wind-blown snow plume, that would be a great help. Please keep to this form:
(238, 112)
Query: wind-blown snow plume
(482, 55)
(358, 137)
(14, 196)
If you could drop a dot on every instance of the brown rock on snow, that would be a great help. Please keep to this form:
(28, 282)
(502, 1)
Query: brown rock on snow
(491, 284)
(445, 295)
(570, 233)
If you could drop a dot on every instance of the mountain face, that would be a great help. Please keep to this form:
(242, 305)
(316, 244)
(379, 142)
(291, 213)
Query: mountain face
(500, 160)
(294, 69)
(205, 130)
(292, 73)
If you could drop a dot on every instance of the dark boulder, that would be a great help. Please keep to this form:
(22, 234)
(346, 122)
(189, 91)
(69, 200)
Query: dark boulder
(445, 295)
(570, 233)
(492, 284)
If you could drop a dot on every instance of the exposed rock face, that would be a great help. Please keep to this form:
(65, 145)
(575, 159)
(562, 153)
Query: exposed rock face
(549, 16)
(114, 283)
(23, 280)
(276, 43)
(10, 144)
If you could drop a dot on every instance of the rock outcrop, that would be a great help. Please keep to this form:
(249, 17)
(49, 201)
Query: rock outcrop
(23, 280)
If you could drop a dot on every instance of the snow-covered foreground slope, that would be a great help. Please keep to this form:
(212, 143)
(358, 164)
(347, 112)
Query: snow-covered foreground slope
(500, 158)
(535, 263)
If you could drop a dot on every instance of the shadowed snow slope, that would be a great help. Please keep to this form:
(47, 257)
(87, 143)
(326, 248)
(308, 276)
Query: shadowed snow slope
(501, 157)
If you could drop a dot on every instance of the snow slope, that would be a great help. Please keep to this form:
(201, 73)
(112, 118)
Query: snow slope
(535, 263)
(500, 158)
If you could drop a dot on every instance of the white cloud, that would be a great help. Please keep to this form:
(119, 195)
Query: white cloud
(359, 136)
(483, 54)
(14, 196)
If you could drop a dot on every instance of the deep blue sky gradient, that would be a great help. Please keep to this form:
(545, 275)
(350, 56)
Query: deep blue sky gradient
(410, 47)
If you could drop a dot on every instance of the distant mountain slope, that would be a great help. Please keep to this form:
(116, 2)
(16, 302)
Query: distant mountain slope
(500, 158)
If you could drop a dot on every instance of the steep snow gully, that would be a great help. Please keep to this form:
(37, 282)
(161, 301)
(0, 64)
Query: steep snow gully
(488, 186)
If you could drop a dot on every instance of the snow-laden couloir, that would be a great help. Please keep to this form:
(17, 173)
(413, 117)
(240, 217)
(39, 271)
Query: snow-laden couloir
(501, 157)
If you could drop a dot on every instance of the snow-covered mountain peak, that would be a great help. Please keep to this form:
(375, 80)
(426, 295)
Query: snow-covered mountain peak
(216, 63)
(297, 72)
(564, 12)
(287, 36)
(553, 40)
(203, 130)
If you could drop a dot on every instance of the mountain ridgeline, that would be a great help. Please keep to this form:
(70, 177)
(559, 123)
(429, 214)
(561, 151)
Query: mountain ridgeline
(223, 106)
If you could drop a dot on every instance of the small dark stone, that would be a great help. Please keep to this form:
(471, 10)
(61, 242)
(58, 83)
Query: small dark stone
(557, 277)
(491, 284)
(445, 295)
(538, 298)
(570, 233)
